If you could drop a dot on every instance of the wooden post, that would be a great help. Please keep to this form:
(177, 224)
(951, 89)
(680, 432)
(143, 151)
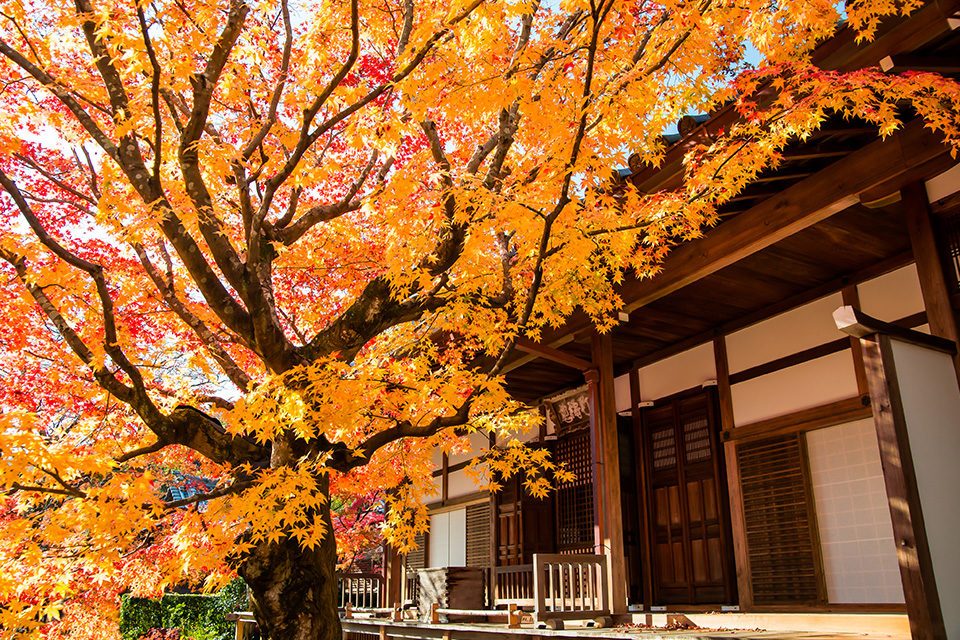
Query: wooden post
(933, 283)
(513, 616)
(851, 297)
(646, 568)
(735, 494)
(917, 568)
(494, 539)
(393, 574)
(592, 377)
(608, 479)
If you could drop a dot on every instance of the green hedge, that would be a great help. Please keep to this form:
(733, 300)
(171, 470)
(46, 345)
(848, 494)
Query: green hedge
(197, 617)
(139, 615)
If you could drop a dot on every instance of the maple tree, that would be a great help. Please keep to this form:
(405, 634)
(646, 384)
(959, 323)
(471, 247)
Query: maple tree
(288, 247)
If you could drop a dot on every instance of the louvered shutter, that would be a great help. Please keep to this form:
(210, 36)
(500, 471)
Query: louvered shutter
(779, 518)
(478, 535)
(416, 558)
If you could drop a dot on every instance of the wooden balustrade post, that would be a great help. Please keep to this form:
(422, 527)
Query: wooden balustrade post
(513, 616)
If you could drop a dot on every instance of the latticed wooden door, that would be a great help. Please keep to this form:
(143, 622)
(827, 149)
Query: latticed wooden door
(688, 519)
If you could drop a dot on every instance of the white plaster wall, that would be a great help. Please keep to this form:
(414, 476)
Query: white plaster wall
(460, 484)
(688, 369)
(783, 335)
(856, 535)
(448, 539)
(892, 296)
(803, 386)
(477, 442)
(621, 390)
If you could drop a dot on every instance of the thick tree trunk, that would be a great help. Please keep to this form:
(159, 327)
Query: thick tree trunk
(295, 590)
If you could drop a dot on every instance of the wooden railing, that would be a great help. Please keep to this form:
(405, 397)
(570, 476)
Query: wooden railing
(360, 590)
(514, 585)
(555, 586)
(570, 587)
(411, 588)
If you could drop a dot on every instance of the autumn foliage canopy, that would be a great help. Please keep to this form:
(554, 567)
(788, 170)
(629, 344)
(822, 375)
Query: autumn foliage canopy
(287, 247)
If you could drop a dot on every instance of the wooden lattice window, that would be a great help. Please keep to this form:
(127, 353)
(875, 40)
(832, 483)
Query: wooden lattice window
(478, 535)
(575, 499)
(780, 522)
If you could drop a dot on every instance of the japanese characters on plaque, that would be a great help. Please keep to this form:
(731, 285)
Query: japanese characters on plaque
(571, 413)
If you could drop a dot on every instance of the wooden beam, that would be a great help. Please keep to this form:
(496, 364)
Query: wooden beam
(933, 282)
(825, 415)
(909, 62)
(897, 34)
(799, 206)
(609, 478)
(557, 339)
(854, 322)
(791, 360)
(554, 355)
(883, 267)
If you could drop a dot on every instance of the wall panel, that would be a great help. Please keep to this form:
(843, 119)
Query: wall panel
(795, 330)
(803, 386)
(677, 373)
(856, 535)
(893, 295)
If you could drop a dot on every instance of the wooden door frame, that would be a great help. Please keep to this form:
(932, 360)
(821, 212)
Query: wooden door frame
(645, 488)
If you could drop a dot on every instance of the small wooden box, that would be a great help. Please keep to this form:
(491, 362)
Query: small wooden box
(452, 588)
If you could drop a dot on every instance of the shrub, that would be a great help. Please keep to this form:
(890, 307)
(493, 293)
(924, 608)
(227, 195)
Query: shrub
(138, 616)
(192, 616)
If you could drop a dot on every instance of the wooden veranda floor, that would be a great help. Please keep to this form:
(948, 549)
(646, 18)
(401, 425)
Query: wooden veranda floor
(378, 629)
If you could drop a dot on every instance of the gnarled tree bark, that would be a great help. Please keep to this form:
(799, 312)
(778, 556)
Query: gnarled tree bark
(294, 589)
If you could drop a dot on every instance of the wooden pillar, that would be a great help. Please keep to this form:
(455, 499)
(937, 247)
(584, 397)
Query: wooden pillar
(646, 557)
(592, 376)
(851, 297)
(734, 491)
(494, 537)
(933, 283)
(393, 576)
(607, 469)
(901, 464)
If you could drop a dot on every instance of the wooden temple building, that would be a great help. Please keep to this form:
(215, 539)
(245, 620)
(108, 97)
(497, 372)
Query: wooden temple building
(773, 429)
